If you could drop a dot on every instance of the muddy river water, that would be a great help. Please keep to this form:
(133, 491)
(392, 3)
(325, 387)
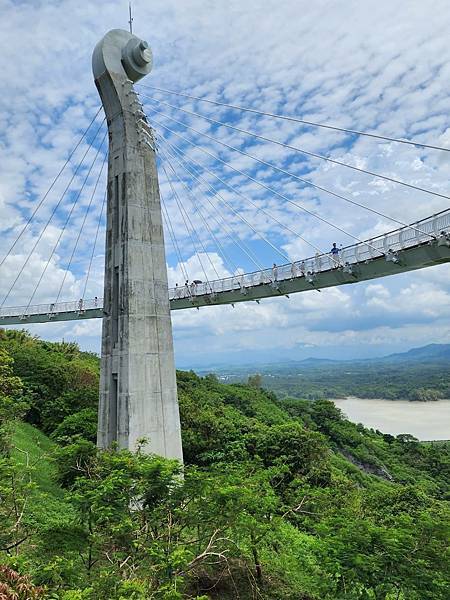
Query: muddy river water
(423, 420)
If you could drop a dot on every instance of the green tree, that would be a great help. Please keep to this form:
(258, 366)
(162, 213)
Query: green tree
(255, 380)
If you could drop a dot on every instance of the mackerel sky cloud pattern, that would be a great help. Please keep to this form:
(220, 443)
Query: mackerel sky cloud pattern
(373, 66)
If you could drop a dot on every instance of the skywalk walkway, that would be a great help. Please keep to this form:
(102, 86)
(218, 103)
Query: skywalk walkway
(422, 244)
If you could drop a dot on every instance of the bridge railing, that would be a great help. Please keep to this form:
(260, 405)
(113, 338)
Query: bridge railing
(393, 241)
(51, 308)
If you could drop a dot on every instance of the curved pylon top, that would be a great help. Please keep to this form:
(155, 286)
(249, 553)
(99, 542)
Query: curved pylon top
(122, 54)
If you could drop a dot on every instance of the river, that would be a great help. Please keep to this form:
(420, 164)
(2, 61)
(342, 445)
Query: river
(423, 420)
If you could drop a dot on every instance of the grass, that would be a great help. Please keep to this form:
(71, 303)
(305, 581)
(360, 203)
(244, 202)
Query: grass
(32, 452)
(33, 449)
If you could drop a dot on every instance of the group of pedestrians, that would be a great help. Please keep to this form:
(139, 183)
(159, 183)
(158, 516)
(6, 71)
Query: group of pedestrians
(187, 290)
(81, 304)
(300, 270)
(297, 270)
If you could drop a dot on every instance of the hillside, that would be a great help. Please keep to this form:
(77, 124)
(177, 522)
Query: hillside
(281, 500)
(431, 352)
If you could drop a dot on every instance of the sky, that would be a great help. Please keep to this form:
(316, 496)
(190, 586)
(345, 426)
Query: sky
(372, 66)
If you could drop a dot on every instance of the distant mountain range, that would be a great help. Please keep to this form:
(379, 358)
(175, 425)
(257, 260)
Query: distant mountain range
(429, 353)
(432, 353)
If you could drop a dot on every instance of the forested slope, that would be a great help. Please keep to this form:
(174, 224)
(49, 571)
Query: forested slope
(278, 499)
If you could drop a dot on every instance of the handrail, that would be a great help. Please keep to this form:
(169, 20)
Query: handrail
(353, 254)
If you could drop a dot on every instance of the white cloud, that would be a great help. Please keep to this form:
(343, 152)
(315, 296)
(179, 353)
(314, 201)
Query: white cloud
(376, 66)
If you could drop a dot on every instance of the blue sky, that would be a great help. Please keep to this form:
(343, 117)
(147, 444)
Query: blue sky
(374, 66)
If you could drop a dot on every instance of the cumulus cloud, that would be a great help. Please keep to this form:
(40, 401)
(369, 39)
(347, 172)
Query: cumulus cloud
(374, 66)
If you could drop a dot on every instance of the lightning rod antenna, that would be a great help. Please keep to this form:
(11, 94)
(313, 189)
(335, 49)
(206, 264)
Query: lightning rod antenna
(130, 22)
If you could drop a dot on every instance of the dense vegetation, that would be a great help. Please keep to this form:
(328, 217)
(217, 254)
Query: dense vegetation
(394, 380)
(278, 499)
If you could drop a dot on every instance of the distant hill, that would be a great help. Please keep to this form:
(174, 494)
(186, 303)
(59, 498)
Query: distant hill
(431, 352)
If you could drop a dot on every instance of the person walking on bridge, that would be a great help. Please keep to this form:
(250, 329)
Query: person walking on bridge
(317, 262)
(335, 254)
(303, 268)
(275, 273)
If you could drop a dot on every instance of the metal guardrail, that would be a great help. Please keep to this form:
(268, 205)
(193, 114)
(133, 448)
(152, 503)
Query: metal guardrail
(383, 245)
(51, 309)
(436, 227)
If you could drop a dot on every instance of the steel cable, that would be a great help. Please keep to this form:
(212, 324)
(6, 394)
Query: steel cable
(67, 269)
(51, 216)
(305, 152)
(49, 189)
(298, 120)
(72, 208)
(271, 190)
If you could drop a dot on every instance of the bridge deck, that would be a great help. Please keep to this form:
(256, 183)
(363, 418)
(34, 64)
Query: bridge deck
(425, 244)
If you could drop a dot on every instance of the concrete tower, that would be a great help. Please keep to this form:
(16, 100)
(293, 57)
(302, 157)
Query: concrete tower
(138, 394)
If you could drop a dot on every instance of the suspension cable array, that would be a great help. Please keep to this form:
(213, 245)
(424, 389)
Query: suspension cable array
(260, 183)
(196, 210)
(258, 209)
(298, 178)
(80, 231)
(229, 232)
(52, 185)
(414, 143)
(53, 213)
(167, 220)
(305, 152)
(191, 231)
(94, 245)
(66, 222)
